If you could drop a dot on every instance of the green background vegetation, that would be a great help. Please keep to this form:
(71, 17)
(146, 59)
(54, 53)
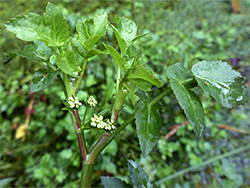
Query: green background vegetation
(180, 31)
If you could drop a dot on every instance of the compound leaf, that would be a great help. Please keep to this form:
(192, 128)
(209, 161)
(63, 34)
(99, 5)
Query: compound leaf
(41, 79)
(91, 31)
(125, 32)
(138, 176)
(28, 27)
(37, 51)
(219, 80)
(187, 99)
(148, 124)
(67, 63)
(57, 24)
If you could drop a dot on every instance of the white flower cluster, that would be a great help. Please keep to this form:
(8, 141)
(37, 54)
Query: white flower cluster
(74, 102)
(91, 101)
(99, 123)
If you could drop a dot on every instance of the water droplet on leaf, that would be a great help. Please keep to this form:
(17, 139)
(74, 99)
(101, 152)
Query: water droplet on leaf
(239, 98)
(130, 31)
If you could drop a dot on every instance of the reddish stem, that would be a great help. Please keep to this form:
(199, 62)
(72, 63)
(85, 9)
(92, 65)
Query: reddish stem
(77, 114)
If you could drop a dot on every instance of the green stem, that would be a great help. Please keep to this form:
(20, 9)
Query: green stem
(159, 97)
(188, 81)
(79, 79)
(86, 177)
(68, 86)
(60, 50)
(51, 66)
(118, 76)
(105, 110)
(84, 116)
(63, 85)
(195, 167)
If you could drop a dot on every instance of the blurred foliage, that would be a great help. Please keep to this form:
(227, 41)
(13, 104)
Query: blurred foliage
(180, 31)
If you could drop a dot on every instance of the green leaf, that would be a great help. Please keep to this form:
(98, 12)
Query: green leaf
(67, 63)
(140, 36)
(139, 72)
(219, 80)
(142, 84)
(131, 90)
(28, 27)
(148, 125)
(143, 95)
(230, 171)
(7, 57)
(41, 79)
(5, 182)
(122, 43)
(119, 60)
(90, 32)
(111, 182)
(125, 32)
(77, 46)
(57, 24)
(37, 51)
(179, 72)
(92, 53)
(138, 176)
(187, 99)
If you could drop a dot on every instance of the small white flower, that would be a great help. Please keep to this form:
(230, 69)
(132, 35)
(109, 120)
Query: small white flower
(93, 124)
(71, 99)
(74, 102)
(91, 101)
(71, 103)
(97, 121)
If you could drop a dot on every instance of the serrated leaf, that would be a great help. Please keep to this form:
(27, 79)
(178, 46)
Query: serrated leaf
(178, 72)
(91, 31)
(187, 99)
(119, 60)
(111, 182)
(125, 32)
(57, 24)
(138, 176)
(37, 51)
(148, 125)
(191, 105)
(41, 79)
(67, 63)
(219, 80)
(8, 57)
(28, 27)
(139, 72)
